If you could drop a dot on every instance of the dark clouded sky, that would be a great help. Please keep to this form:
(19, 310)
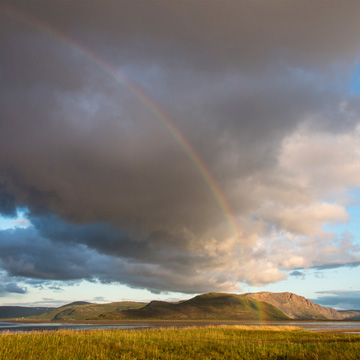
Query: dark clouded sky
(178, 146)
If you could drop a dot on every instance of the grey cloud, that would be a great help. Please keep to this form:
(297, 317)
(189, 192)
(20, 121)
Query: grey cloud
(337, 265)
(110, 191)
(7, 203)
(8, 285)
(297, 273)
(14, 288)
(344, 299)
(211, 34)
(339, 292)
(99, 253)
(99, 298)
(25, 254)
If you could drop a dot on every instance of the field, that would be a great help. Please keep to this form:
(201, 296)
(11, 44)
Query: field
(222, 342)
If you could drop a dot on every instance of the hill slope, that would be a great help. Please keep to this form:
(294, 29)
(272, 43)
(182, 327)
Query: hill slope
(11, 312)
(297, 307)
(83, 311)
(76, 303)
(211, 306)
(350, 314)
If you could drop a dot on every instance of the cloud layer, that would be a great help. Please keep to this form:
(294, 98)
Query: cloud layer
(260, 91)
(343, 299)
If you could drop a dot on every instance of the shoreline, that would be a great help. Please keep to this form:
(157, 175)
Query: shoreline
(313, 326)
(174, 321)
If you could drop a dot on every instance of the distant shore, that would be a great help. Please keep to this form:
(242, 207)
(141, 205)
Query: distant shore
(316, 326)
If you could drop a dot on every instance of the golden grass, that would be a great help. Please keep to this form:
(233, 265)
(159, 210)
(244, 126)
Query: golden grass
(212, 342)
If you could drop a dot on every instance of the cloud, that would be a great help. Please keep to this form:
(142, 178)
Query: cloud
(26, 254)
(99, 299)
(337, 265)
(9, 286)
(297, 273)
(114, 193)
(23, 223)
(343, 299)
(100, 253)
(14, 288)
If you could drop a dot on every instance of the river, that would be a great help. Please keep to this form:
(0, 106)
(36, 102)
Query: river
(348, 326)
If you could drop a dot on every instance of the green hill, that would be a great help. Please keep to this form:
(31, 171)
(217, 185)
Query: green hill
(11, 312)
(83, 310)
(211, 306)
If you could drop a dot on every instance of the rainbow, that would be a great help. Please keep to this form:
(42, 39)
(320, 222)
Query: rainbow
(260, 308)
(147, 102)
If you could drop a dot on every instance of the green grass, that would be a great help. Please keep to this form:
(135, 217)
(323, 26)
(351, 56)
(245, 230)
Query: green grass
(224, 342)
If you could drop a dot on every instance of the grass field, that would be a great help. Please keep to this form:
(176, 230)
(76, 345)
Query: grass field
(223, 342)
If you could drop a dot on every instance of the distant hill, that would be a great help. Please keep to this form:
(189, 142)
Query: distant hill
(76, 303)
(350, 314)
(263, 306)
(81, 310)
(297, 307)
(11, 312)
(211, 306)
(252, 306)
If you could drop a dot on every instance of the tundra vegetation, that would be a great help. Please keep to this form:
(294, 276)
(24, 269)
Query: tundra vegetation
(213, 342)
(263, 306)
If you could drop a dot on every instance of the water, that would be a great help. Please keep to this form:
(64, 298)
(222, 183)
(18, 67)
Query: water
(308, 325)
(21, 327)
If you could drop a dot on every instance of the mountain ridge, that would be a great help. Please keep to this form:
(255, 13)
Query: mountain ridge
(211, 306)
(263, 306)
(296, 306)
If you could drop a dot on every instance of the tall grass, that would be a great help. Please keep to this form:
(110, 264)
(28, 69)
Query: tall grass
(222, 342)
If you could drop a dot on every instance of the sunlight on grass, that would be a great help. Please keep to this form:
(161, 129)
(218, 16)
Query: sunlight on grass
(213, 342)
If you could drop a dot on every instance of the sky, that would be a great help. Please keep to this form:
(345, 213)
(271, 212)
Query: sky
(162, 149)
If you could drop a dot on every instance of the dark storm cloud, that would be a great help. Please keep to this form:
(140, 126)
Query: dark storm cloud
(111, 192)
(55, 250)
(7, 202)
(26, 254)
(237, 33)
